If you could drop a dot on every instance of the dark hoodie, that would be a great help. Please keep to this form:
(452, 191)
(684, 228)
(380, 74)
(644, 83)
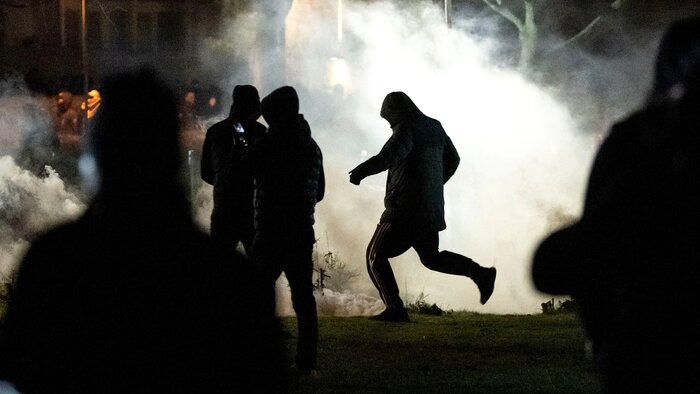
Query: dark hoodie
(420, 158)
(223, 148)
(287, 166)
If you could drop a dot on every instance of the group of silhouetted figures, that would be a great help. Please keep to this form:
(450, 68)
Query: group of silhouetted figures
(135, 297)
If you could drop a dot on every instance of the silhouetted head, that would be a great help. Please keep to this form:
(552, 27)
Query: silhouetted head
(246, 102)
(678, 57)
(281, 106)
(397, 107)
(135, 135)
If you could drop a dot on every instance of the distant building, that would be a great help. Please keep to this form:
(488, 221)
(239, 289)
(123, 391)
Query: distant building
(47, 35)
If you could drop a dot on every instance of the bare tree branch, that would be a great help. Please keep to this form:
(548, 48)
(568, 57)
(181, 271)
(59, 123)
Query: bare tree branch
(506, 13)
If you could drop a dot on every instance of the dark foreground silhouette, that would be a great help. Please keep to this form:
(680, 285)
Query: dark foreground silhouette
(130, 297)
(631, 260)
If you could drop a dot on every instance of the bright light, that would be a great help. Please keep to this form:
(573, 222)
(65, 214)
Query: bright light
(339, 74)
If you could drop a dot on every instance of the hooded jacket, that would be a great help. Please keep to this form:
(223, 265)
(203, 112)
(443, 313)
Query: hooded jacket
(287, 166)
(223, 149)
(420, 158)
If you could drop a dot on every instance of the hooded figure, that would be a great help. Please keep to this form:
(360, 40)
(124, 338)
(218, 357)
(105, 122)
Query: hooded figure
(129, 297)
(631, 260)
(420, 158)
(287, 168)
(225, 144)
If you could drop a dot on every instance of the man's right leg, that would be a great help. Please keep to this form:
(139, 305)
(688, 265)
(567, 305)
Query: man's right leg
(386, 243)
(426, 245)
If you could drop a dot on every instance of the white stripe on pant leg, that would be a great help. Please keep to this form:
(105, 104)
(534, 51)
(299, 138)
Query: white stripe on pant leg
(382, 285)
(371, 255)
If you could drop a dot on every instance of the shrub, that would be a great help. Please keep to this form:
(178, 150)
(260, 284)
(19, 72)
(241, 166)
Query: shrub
(566, 306)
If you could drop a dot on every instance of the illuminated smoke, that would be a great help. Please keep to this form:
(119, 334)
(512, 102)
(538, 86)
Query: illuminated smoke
(525, 156)
(520, 156)
(29, 205)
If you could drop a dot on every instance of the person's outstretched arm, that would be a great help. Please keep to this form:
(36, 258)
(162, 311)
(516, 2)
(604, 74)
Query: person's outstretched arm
(394, 152)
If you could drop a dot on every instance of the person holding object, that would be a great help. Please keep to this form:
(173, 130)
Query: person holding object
(225, 145)
(420, 158)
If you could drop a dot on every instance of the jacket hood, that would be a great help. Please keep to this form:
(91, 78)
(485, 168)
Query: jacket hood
(397, 107)
(246, 102)
(281, 106)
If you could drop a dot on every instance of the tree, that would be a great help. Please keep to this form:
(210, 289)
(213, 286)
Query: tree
(528, 31)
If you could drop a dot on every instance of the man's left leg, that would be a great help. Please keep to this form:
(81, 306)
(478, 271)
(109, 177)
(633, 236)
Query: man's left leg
(299, 273)
(387, 242)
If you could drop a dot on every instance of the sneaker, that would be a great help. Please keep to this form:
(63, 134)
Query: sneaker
(485, 284)
(392, 315)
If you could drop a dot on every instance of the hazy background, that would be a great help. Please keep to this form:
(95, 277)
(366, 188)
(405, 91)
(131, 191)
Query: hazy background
(526, 141)
(526, 138)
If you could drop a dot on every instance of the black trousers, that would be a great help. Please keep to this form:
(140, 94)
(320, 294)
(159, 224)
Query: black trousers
(391, 240)
(291, 252)
(227, 229)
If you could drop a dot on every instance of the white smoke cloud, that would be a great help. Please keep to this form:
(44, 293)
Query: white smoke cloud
(28, 206)
(329, 302)
(525, 154)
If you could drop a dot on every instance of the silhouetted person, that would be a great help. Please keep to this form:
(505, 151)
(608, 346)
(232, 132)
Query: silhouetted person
(129, 297)
(631, 260)
(192, 137)
(226, 143)
(420, 158)
(287, 166)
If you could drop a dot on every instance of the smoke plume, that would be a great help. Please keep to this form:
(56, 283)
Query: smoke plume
(525, 148)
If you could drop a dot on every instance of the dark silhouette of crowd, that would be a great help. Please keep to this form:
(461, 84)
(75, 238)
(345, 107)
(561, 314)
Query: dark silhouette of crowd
(133, 296)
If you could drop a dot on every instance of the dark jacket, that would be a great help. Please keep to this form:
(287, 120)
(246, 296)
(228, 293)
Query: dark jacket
(223, 149)
(420, 158)
(287, 166)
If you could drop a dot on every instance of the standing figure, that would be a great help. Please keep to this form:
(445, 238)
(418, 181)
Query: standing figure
(420, 158)
(226, 143)
(631, 260)
(191, 140)
(129, 297)
(287, 167)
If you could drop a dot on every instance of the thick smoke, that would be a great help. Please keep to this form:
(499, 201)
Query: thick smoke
(525, 148)
(28, 204)
(525, 151)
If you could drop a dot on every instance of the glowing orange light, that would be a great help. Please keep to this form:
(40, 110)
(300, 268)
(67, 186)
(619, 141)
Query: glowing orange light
(93, 103)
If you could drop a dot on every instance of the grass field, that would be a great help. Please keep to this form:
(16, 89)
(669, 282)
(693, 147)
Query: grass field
(459, 352)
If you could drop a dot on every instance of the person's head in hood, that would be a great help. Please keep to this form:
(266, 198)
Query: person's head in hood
(398, 107)
(678, 57)
(246, 103)
(281, 106)
(135, 136)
